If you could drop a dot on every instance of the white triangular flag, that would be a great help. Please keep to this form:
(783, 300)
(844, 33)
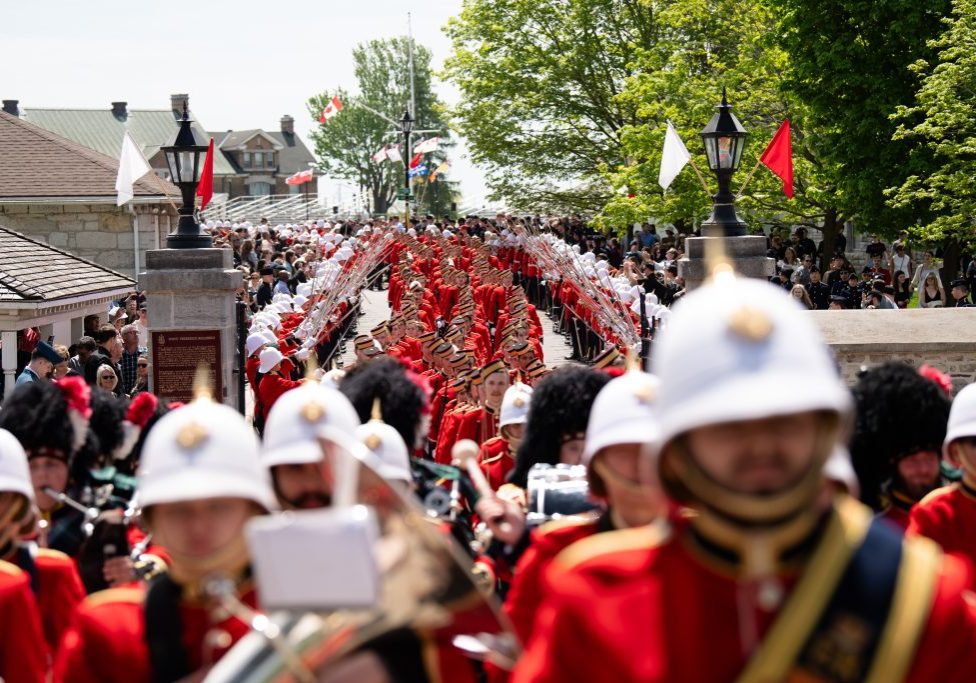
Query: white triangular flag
(674, 157)
(132, 166)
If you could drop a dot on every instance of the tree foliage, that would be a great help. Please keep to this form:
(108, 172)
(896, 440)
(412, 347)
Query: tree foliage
(849, 63)
(539, 81)
(702, 46)
(941, 125)
(345, 144)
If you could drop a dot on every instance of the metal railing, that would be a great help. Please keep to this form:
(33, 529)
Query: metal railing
(274, 207)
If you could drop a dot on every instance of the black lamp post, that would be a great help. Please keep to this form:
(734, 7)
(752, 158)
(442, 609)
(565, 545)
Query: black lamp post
(184, 156)
(724, 139)
(406, 125)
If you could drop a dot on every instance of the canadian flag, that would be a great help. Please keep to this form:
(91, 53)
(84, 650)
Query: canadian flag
(331, 109)
(299, 178)
(381, 155)
(428, 145)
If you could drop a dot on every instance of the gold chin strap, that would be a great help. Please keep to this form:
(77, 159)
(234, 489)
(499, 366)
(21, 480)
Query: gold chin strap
(191, 571)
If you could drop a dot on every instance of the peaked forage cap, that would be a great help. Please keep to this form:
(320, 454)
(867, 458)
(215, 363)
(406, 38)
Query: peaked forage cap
(740, 349)
(203, 450)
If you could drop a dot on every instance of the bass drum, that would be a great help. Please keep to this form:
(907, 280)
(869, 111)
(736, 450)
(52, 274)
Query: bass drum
(557, 492)
(429, 606)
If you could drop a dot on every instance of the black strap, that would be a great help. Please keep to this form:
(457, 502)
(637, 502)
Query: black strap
(24, 560)
(169, 661)
(844, 642)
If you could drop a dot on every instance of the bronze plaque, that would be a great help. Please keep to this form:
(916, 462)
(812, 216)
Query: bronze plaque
(177, 354)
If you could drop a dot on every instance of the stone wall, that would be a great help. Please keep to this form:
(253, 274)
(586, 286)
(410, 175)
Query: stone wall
(943, 338)
(101, 233)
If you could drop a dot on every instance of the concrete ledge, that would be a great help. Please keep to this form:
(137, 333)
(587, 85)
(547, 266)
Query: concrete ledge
(943, 338)
(733, 247)
(189, 259)
(751, 266)
(190, 280)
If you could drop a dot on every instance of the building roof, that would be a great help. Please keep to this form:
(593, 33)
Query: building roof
(102, 130)
(293, 155)
(40, 164)
(32, 271)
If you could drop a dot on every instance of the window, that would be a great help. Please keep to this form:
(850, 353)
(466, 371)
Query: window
(258, 159)
(247, 159)
(259, 189)
(270, 159)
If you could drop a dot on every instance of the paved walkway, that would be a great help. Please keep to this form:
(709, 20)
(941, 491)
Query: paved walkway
(375, 310)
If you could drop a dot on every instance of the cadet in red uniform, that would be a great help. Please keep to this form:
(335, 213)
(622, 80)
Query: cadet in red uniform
(23, 656)
(948, 515)
(774, 579)
(200, 480)
(497, 456)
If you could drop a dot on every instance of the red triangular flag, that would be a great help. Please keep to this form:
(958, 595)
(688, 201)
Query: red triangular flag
(778, 157)
(205, 186)
(416, 160)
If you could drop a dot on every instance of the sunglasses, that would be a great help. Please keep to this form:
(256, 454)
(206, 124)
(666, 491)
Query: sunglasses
(142, 365)
(111, 377)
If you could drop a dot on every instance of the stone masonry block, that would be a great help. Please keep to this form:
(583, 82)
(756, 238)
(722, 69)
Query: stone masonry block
(96, 240)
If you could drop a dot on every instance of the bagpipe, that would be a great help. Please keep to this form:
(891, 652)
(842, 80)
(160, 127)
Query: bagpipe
(106, 515)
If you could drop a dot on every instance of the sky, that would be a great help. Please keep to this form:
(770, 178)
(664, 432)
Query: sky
(244, 63)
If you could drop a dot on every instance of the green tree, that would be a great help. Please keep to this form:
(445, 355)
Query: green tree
(539, 81)
(345, 143)
(849, 64)
(703, 45)
(940, 126)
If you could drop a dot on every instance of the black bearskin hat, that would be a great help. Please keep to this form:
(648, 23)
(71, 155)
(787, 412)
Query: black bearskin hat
(37, 414)
(899, 412)
(401, 400)
(560, 407)
(105, 432)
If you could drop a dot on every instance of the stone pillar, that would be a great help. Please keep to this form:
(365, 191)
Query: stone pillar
(191, 291)
(8, 358)
(746, 253)
(61, 329)
(77, 329)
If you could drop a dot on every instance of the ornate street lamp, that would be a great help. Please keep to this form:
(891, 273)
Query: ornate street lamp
(184, 156)
(406, 125)
(724, 139)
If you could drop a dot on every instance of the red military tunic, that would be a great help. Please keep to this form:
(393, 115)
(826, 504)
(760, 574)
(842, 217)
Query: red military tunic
(107, 641)
(59, 590)
(639, 606)
(496, 460)
(948, 517)
(271, 388)
(23, 655)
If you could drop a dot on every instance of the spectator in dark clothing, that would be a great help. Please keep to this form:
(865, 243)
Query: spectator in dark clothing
(265, 292)
(803, 245)
(818, 291)
(108, 340)
(853, 292)
(85, 348)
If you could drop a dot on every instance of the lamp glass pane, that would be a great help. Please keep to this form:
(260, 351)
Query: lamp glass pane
(174, 170)
(739, 145)
(710, 146)
(726, 152)
(187, 166)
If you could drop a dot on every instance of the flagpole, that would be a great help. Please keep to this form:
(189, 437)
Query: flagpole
(748, 178)
(698, 173)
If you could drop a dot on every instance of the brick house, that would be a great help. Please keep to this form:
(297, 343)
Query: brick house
(264, 159)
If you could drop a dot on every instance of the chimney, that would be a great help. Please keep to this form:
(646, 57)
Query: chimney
(119, 110)
(178, 102)
(10, 107)
(287, 124)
